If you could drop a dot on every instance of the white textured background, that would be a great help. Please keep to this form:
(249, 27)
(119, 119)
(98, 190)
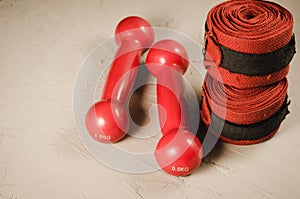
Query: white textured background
(43, 43)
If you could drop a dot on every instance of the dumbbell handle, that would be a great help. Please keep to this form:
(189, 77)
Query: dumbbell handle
(171, 98)
(123, 72)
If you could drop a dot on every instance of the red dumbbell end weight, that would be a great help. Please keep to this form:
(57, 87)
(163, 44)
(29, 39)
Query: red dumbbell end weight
(107, 121)
(179, 153)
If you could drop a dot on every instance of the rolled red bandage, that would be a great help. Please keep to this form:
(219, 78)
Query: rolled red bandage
(247, 26)
(243, 122)
(249, 43)
(244, 106)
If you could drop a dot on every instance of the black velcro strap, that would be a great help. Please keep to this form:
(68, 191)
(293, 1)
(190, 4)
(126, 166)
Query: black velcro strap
(251, 131)
(258, 64)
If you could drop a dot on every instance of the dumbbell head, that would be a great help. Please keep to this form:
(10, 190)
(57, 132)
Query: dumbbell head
(135, 29)
(179, 152)
(167, 53)
(107, 121)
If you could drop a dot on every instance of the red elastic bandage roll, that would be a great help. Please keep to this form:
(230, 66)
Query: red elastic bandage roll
(243, 116)
(249, 43)
(244, 106)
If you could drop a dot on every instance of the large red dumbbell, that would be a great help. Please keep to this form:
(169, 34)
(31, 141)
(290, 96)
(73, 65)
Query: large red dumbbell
(179, 152)
(107, 121)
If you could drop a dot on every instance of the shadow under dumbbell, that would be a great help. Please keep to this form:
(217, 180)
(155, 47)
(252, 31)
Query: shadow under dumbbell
(137, 109)
(141, 100)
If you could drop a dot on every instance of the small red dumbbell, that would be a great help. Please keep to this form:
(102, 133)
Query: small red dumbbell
(107, 121)
(179, 152)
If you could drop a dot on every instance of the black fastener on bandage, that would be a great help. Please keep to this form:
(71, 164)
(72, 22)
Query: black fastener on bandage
(258, 64)
(252, 131)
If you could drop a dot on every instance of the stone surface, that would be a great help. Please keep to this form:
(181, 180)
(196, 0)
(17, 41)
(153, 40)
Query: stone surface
(42, 45)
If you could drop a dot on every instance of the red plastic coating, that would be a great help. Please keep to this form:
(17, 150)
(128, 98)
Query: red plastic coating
(107, 121)
(170, 96)
(179, 152)
(168, 61)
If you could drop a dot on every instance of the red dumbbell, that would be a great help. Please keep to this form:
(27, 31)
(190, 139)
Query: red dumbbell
(107, 121)
(179, 152)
